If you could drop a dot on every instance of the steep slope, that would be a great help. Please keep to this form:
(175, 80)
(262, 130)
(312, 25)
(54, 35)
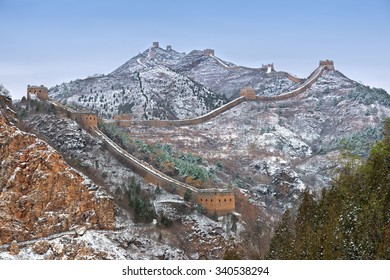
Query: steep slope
(41, 195)
(277, 149)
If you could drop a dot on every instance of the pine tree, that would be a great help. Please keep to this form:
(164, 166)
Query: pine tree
(304, 227)
(352, 218)
(282, 245)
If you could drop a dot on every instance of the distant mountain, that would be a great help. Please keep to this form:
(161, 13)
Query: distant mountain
(144, 86)
(166, 84)
(227, 78)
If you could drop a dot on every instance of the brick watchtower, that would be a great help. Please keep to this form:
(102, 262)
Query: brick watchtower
(328, 64)
(41, 92)
(249, 93)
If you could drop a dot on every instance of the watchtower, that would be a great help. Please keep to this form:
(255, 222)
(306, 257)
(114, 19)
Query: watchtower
(156, 45)
(208, 52)
(220, 202)
(169, 48)
(328, 64)
(249, 93)
(41, 92)
(85, 119)
(268, 67)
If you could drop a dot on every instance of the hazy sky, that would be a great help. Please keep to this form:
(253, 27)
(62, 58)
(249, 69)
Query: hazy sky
(50, 42)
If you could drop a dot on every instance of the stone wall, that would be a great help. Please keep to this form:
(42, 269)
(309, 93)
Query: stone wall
(213, 201)
(149, 173)
(287, 75)
(311, 80)
(194, 121)
(123, 120)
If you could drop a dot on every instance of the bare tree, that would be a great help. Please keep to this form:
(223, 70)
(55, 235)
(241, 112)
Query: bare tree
(4, 91)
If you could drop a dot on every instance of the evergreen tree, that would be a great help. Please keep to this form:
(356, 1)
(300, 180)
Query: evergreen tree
(305, 228)
(282, 244)
(352, 218)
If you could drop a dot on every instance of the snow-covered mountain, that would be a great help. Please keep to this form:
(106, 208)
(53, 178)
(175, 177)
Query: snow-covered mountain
(227, 78)
(145, 87)
(166, 84)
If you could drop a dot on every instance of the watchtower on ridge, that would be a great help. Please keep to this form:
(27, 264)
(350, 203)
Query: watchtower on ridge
(41, 92)
(249, 93)
(268, 67)
(328, 64)
(208, 52)
(85, 119)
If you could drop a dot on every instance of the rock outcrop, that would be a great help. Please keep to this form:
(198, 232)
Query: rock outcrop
(40, 194)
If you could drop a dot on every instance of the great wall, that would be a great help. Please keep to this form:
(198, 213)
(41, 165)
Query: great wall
(214, 201)
(245, 95)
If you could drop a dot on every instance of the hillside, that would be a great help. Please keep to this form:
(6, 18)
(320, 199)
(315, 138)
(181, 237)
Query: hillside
(42, 195)
(275, 150)
(349, 221)
(152, 237)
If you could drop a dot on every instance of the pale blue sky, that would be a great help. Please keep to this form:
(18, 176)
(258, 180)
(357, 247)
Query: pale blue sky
(49, 42)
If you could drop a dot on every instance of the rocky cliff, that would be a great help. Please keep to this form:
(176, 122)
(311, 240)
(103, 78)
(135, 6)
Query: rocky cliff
(40, 194)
